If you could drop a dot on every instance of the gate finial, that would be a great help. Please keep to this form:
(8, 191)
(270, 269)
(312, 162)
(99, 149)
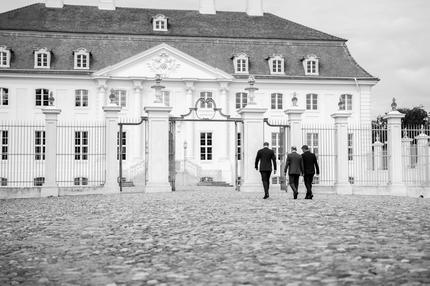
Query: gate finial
(251, 89)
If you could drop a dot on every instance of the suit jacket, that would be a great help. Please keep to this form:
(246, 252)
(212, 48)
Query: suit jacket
(265, 156)
(310, 163)
(294, 164)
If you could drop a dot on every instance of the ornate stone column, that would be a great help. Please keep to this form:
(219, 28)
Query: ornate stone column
(50, 187)
(295, 120)
(342, 184)
(395, 168)
(158, 142)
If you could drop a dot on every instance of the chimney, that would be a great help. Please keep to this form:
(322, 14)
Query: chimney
(254, 8)
(207, 7)
(107, 4)
(54, 3)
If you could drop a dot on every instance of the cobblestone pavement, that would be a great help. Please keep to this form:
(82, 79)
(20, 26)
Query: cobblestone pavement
(215, 237)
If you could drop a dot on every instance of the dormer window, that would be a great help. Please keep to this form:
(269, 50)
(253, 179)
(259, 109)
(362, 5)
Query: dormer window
(82, 59)
(241, 63)
(276, 64)
(311, 65)
(159, 23)
(4, 57)
(42, 58)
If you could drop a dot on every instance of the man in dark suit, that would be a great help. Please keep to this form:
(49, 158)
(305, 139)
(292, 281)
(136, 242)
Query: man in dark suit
(294, 166)
(310, 164)
(265, 156)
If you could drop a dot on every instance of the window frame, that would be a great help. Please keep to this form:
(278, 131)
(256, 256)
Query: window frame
(3, 182)
(277, 64)
(81, 145)
(121, 97)
(39, 145)
(347, 98)
(311, 65)
(84, 62)
(124, 145)
(80, 181)
(44, 98)
(239, 145)
(311, 102)
(241, 99)
(276, 101)
(206, 149)
(241, 63)
(38, 181)
(165, 94)
(4, 96)
(312, 140)
(276, 141)
(81, 97)
(5, 56)
(43, 52)
(4, 141)
(350, 146)
(205, 95)
(159, 23)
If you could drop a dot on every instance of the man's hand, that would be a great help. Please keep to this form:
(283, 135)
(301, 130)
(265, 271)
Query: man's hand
(256, 168)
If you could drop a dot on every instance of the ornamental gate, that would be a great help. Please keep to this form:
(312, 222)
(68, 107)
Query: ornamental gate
(205, 111)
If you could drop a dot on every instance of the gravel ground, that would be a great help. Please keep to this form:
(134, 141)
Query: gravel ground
(215, 237)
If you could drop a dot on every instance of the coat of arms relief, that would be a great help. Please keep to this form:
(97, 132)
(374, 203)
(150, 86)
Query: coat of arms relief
(163, 64)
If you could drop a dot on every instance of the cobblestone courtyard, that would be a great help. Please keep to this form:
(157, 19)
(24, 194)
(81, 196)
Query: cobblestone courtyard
(215, 237)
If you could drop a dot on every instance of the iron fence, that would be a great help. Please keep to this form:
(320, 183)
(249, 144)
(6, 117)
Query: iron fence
(321, 140)
(367, 155)
(22, 161)
(416, 155)
(81, 154)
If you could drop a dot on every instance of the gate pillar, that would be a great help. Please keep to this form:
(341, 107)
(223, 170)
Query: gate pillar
(295, 121)
(395, 168)
(342, 185)
(111, 114)
(158, 148)
(253, 120)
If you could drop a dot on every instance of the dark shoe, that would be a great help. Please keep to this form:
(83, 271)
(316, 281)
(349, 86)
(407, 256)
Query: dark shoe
(265, 197)
(295, 195)
(309, 197)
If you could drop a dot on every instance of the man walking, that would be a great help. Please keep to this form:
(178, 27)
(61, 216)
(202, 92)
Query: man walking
(310, 164)
(265, 156)
(294, 166)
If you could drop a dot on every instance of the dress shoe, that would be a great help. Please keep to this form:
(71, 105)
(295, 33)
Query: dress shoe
(295, 195)
(265, 197)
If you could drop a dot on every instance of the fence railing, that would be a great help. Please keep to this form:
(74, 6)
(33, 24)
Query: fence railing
(22, 161)
(321, 140)
(367, 155)
(81, 155)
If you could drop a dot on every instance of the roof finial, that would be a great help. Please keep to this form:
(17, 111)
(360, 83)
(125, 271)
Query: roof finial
(394, 105)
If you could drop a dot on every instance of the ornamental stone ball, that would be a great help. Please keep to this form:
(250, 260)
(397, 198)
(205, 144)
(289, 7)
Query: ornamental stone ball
(394, 104)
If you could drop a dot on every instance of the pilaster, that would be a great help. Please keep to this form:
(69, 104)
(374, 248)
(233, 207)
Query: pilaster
(111, 114)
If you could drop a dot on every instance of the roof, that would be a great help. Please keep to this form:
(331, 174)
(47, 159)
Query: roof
(134, 21)
(120, 34)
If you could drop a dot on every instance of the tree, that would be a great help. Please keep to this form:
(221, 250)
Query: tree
(416, 116)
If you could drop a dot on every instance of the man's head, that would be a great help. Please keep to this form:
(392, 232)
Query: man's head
(305, 148)
(266, 144)
(293, 149)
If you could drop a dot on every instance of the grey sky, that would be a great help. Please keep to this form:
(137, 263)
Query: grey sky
(389, 38)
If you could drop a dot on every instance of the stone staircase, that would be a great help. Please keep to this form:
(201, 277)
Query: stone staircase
(209, 182)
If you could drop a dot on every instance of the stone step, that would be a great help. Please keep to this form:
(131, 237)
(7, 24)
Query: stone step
(214, 184)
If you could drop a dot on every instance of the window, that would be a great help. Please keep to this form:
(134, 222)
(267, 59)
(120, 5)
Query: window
(80, 181)
(124, 145)
(347, 98)
(239, 146)
(205, 95)
(39, 181)
(311, 65)
(312, 142)
(39, 145)
(276, 101)
(3, 182)
(159, 23)
(121, 97)
(276, 145)
(241, 100)
(81, 145)
(82, 59)
(81, 98)
(350, 149)
(4, 144)
(42, 97)
(241, 63)
(206, 146)
(4, 57)
(42, 58)
(312, 101)
(4, 96)
(276, 64)
(166, 97)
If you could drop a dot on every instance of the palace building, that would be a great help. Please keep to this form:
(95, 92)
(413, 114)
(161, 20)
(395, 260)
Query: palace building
(82, 54)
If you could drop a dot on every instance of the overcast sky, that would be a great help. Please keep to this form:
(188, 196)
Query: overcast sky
(389, 38)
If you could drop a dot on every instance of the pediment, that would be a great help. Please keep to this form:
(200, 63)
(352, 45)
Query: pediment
(165, 60)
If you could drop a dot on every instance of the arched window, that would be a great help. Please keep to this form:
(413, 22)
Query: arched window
(241, 63)
(82, 59)
(276, 64)
(311, 65)
(42, 58)
(159, 23)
